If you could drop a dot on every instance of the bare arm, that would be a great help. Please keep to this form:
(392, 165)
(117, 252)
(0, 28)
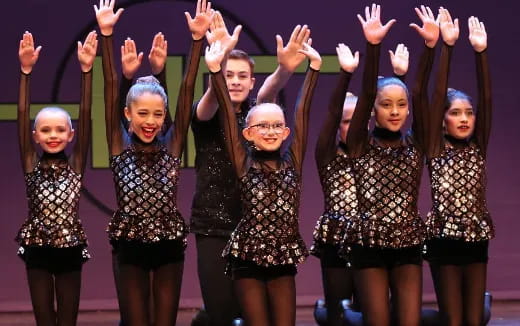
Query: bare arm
(289, 58)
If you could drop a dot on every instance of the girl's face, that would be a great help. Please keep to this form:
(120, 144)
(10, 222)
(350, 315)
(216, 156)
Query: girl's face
(348, 111)
(146, 116)
(391, 107)
(266, 128)
(459, 119)
(52, 132)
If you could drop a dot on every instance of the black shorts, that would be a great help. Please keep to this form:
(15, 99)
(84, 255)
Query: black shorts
(329, 256)
(442, 251)
(369, 257)
(148, 255)
(239, 269)
(54, 260)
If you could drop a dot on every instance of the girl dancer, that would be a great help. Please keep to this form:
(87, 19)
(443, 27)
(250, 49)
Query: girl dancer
(459, 224)
(266, 245)
(147, 231)
(338, 184)
(387, 235)
(52, 239)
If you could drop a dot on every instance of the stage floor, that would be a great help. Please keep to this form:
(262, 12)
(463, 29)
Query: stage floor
(503, 313)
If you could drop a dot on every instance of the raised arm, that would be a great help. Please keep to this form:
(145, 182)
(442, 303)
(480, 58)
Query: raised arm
(374, 31)
(420, 99)
(157, 58)
(400, 60)
(28, 56)
(207, 106)
(326, 147)
(227, 117)
(130, 63)
(289, 58)
(198, 26)
(478, 39)
(107, 19)
(450, 33)
(303, 106)
(86, 55)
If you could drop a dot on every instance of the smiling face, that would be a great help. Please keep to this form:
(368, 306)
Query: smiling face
(52, 130)
(266, 127)
(239, 80)
(391, 107)
(146, 115)
(459, 119)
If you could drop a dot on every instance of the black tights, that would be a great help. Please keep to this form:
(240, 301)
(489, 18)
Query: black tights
(135, 286)
(44, 285)
(220, 301)
(271, 302)
(460, 293)
(405, 284)
(338, 284)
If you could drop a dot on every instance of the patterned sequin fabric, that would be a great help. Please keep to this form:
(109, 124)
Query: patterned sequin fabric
(387, 180)
(458, 182)
(53, 194)
(339, 191)
(268, 232)
(146, 190)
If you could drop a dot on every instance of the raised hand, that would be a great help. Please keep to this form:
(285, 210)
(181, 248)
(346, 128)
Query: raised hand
(106, 17)
(348, 61)
(430, 28)
(130, 60)
(400, 59)
(214, 56)
(27, 54)
(289, 56)
(313, 55)
(218, 32)
(87, 51)
(449, 27)
(199, 24)
(158, 53)
(374, 31)
(477, 34)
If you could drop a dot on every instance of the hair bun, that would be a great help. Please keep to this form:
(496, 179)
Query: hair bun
(147, 80)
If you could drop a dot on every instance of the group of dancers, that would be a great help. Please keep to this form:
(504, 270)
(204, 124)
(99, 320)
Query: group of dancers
(370, 240)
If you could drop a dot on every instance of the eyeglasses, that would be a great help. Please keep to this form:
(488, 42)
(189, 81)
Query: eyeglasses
(263, 128)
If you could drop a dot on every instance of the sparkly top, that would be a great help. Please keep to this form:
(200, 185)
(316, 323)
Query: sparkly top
(146, 191)
(458, 181)
(387, 180)
(339, 190)
(53, 195)
(215, 207)
(270, 190)
(268, 232)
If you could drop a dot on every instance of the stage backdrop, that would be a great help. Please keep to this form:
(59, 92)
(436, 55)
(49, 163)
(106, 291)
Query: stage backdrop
(58, 24)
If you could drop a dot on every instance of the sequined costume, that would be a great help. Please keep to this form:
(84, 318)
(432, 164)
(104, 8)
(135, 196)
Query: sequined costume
(335, 173)
(268, 232)
(457, 167)
(146, 189)
(146, 174)
(53, 184)
(388, 167)
(53, 194)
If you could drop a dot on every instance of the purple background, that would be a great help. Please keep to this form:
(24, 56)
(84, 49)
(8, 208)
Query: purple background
(57, 24)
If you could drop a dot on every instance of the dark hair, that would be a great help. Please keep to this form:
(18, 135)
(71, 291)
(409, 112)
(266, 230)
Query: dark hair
(242, 55)
(453, 95)
(382, 82)
(147, 84)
